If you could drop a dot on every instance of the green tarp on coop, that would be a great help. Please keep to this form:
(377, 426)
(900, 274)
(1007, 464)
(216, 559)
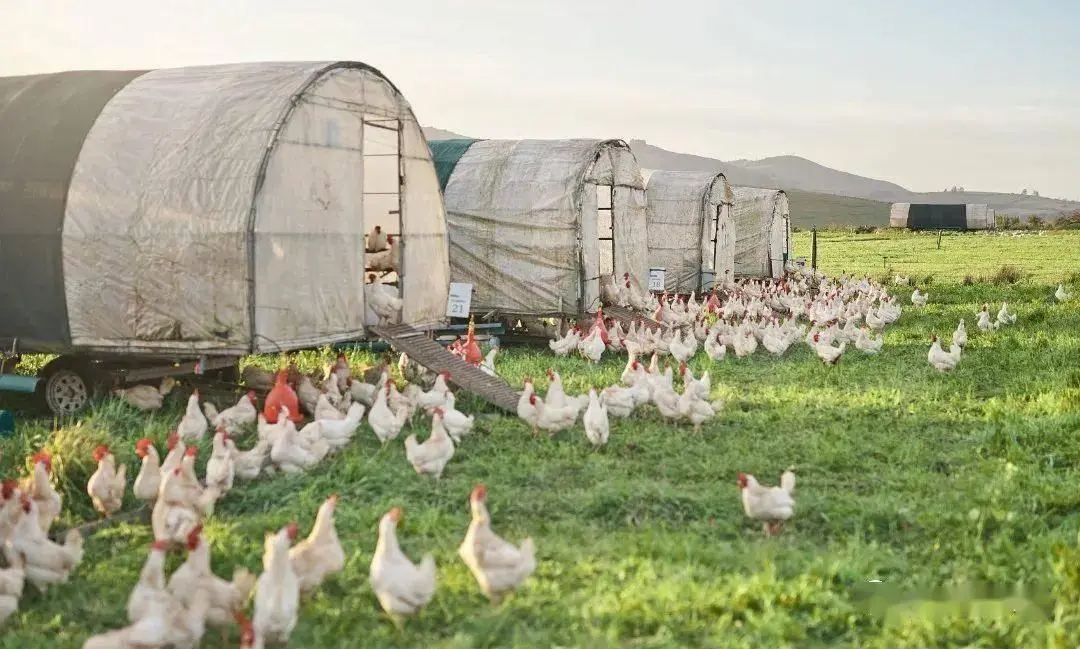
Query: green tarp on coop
(445, 154)
(937, 217)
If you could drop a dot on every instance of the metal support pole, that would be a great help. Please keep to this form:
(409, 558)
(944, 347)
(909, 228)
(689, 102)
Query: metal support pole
(813, 250)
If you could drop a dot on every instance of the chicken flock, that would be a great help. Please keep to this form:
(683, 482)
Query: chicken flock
(175, 610)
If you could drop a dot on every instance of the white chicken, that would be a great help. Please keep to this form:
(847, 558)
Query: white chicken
(386, 423)
(487, 366)
(320, 554)
(556, 395)
(552, 419)
(221, 466)
(941, 360)
(681, 351)
(692, 406)
(277, 592)
(1004, 317)
(151, 584)
(250, 463)
(237, 416)
(919, 299)
(770, 505)
(107, 484)
(193, 426)
(592, 347)
(828, 354)
(436, 396)
(402, 588)
(383, 301)
(868, 344)
(457, 423)
(12, 580)
(960, 336)
(619, 401)
(294, 454)
(715, 349)
(46, 562)
(39, 488)
(568, 343)
(596, 420)
(498, 566)
(388, 260)
(337, 433)
(1060, 294)
(434, 453)
(376, 240)
(148, 480)
(326, 411)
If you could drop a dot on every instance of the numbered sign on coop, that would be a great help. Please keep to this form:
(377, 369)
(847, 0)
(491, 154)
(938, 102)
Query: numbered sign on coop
(460, 300)
(656, 279)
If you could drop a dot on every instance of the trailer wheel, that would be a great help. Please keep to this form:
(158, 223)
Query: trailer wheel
(69, 384)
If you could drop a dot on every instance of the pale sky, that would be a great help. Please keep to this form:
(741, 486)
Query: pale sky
(982, 94)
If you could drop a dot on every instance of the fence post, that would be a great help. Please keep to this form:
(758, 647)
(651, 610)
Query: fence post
(813, 249)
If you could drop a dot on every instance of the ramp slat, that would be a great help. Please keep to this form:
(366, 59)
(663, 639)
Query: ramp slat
(437, 358)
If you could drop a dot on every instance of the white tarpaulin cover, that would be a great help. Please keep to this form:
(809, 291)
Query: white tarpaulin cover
(762, 231)
(524, 224)
(690, 226)
(223, 208)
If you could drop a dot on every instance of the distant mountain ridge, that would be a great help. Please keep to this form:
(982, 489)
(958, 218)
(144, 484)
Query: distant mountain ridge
(809, 179)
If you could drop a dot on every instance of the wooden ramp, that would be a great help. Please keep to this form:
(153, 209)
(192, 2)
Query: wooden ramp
(435, 357)
(626, 317)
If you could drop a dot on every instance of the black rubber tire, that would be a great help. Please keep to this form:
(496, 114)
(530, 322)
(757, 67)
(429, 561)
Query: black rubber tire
(69, 384)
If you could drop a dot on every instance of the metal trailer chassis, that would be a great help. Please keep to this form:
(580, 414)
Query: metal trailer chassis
(69, 382)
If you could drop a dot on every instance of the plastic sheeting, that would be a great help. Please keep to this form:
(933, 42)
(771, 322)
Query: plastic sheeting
(920, 216)
(196, 183)
(525, 229)
(44, 119)
(690, 226)
(762, 231)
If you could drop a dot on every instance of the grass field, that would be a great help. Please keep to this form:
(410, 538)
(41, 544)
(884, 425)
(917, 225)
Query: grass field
(1049, 259)
(962, 487)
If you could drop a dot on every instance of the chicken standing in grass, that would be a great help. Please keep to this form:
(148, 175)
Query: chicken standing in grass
(277, 592)
(244, 413)
(434, 454)
(402, 587)
(596, 422)
(148, 480)
(960, 336)
(320, 554)
(1004, 317)
(46, 562)
(942, 360)
(193, 426)
(39, 487)
(498, 566)
(1060, 295)
(919, 299)
(386, 423)
(770, 505)
(107, 484)
(12, 580)
(221, 467)
(985, 325)
(151, 586)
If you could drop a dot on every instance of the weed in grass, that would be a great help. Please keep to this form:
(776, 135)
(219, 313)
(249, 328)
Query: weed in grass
(1007, 275)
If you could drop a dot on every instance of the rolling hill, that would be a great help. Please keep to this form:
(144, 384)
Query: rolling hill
(823, 196)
